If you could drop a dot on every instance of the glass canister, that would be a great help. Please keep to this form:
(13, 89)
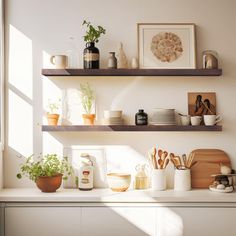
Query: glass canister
(91, 56)
(142, 179)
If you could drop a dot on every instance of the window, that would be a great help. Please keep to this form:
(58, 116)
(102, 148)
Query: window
(1, 70)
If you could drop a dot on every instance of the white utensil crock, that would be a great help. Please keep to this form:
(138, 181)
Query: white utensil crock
(182, 180)
(158, 179)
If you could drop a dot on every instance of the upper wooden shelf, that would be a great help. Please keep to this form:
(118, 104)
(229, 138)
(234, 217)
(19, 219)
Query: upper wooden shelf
(132, 72)
(128, 128)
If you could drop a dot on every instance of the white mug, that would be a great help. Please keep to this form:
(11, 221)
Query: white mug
(196, 120)
(60, 61)
(159, 179)
(182, 180)
(211, 119)
(185, 120)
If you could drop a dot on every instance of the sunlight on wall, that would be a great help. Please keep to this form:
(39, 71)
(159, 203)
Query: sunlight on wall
(46, 60)
(20, 62)
(51, 145)
(20, 116)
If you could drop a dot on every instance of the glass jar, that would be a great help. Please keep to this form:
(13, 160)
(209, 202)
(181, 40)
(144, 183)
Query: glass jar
(141, 118)
(91, 56)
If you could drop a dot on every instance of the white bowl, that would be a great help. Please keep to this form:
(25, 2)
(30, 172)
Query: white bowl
(112, 114)
(118, 182)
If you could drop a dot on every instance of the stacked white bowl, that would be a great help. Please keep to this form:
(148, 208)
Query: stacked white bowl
(162, 116)
(112, 117)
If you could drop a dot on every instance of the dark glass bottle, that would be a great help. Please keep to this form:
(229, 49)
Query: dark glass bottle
(141, 118)
(91, 56)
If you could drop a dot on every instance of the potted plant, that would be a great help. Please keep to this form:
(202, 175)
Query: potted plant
(91, 53)
(53, 115)
(87, 100)
(46, 171)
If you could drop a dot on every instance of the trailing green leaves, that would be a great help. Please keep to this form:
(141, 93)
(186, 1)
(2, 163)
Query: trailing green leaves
(93, 34)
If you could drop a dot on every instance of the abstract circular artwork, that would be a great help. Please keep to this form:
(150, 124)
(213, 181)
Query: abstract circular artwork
(166, 46)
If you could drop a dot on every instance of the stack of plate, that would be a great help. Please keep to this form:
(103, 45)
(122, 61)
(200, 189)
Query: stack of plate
(163, 117)
(112, 118)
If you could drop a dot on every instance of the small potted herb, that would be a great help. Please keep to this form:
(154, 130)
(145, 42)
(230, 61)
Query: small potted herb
(91, 53)
(87, 96)
(46, 171)
(52, 114)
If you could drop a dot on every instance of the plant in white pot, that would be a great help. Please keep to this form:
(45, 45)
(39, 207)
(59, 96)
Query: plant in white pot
(87, 96)
(53, 112)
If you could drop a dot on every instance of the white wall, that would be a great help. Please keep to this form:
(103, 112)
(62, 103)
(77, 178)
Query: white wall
(36, 28)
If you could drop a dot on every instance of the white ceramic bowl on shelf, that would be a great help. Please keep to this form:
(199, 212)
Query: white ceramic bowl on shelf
(112, 114)
(118, 182)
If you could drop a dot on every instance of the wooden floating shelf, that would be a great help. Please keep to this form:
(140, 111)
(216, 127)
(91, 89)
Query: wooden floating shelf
(131, 72)
(128, 128)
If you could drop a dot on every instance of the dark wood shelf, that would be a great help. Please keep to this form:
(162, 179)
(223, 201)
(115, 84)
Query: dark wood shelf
(128, 128)
(132, 72)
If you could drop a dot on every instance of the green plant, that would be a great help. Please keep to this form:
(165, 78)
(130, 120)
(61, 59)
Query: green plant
(87, 97)
(93, 34)
(48, 165)
(54, 106)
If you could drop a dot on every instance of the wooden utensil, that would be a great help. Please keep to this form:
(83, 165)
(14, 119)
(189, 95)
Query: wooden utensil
(207, 164)
(165, 163)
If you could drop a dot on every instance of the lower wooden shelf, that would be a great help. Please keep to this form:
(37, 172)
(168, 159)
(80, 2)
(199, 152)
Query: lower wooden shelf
(128, 128)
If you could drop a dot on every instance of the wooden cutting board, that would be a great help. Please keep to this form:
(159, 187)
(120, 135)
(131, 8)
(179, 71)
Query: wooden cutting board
(208, 161)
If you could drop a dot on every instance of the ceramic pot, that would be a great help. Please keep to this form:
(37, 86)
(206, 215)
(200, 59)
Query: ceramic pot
(88, 119)
(52, 119)
(49, 184)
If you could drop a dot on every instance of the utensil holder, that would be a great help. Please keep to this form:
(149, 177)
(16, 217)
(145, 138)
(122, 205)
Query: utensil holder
(182, 180)
(159, 179)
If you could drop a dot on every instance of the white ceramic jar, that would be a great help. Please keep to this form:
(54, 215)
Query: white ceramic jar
(159, 179)
(182, 180)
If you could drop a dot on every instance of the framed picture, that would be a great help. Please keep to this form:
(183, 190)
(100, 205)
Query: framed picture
(201, 104)
(166, 46)
(97, 156)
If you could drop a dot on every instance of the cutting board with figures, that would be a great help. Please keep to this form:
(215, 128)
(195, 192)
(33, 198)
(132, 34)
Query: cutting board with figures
(208, 163)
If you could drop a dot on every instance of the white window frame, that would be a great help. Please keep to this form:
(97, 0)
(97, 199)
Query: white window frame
(1, 74)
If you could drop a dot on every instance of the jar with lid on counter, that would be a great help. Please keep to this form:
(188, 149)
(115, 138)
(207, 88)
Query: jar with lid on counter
(85, 173)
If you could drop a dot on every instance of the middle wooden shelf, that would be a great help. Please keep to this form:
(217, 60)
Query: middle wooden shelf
(128, 128)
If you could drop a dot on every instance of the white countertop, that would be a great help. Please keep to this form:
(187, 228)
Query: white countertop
(107, 196)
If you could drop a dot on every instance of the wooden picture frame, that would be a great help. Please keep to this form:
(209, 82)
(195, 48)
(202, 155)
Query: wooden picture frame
(166, 46)
(202, 103)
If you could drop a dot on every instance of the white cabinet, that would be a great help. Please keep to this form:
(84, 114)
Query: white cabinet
(185, 221)
(48, 220)
(116, 221)
(42, 221)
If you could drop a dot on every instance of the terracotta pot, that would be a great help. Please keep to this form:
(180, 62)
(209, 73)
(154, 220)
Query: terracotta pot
(88, 119)
(49, 184)
(52, 119)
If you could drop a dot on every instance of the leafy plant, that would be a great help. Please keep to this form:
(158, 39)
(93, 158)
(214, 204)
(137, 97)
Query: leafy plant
(48, 165)
(87, 97)
(54, 106)
(93, 33)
